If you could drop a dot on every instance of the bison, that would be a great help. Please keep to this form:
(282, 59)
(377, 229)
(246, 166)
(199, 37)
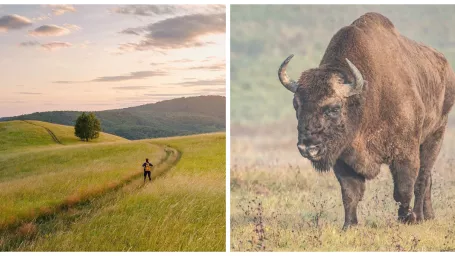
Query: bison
(376, 98)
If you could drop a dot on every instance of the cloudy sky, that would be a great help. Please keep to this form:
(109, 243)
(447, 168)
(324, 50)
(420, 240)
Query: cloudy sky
(96, 57)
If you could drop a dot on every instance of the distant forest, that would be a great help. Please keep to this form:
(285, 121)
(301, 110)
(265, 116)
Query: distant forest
(181, 116)
(263, 36)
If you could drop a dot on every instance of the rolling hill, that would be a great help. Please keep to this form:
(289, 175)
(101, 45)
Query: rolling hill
(181, 116)
(41, 134)
(62, 194)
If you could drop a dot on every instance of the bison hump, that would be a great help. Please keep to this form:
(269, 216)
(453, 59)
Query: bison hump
(372, 20)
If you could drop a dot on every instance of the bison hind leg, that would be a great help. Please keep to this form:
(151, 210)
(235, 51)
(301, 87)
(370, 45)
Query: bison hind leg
(428, 212)
(429, 151)
(404, 172)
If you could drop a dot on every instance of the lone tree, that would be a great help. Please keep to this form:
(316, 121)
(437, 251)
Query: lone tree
(87, 127)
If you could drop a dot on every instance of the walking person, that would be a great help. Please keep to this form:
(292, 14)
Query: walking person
(147, 169)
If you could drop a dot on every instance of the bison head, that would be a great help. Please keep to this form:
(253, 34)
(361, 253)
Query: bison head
(327, 108)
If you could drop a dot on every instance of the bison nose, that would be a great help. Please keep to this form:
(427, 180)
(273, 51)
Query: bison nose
(313, 150)
(309, 151)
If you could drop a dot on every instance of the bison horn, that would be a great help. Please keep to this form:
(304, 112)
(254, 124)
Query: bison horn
(291, 85)
(358, 84)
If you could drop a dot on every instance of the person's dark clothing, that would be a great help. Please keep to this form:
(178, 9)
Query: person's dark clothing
(145, 165)
(147, 173)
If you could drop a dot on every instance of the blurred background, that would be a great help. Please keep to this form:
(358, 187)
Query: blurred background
(263, 36)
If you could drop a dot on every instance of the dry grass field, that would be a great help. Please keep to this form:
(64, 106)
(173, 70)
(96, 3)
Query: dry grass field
(279, 203)
(76, 196)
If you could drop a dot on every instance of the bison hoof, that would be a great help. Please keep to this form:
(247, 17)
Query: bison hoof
(429, 217)
(409, 218)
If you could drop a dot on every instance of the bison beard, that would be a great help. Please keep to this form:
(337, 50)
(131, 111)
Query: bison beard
(323, 165)
(394, 111)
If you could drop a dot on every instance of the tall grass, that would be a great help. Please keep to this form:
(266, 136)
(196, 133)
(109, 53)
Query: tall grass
(40, 180)
(182, 209)
(279, 203)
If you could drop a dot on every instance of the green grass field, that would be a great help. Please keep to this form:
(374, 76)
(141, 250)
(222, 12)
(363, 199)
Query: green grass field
(280, 203)
(80, 196)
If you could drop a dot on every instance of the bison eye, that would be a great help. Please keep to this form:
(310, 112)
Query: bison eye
(333, 112)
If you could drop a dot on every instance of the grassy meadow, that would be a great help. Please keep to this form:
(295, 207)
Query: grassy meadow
(91, 196)
(280, 203)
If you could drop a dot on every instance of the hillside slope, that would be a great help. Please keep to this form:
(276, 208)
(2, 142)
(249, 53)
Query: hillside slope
(17, 134)
(181, 116)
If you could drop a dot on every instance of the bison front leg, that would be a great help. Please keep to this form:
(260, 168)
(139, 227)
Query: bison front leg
(352, 190)
(404, 174)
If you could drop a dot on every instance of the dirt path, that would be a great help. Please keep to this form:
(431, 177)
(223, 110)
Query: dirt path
(54, 138)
